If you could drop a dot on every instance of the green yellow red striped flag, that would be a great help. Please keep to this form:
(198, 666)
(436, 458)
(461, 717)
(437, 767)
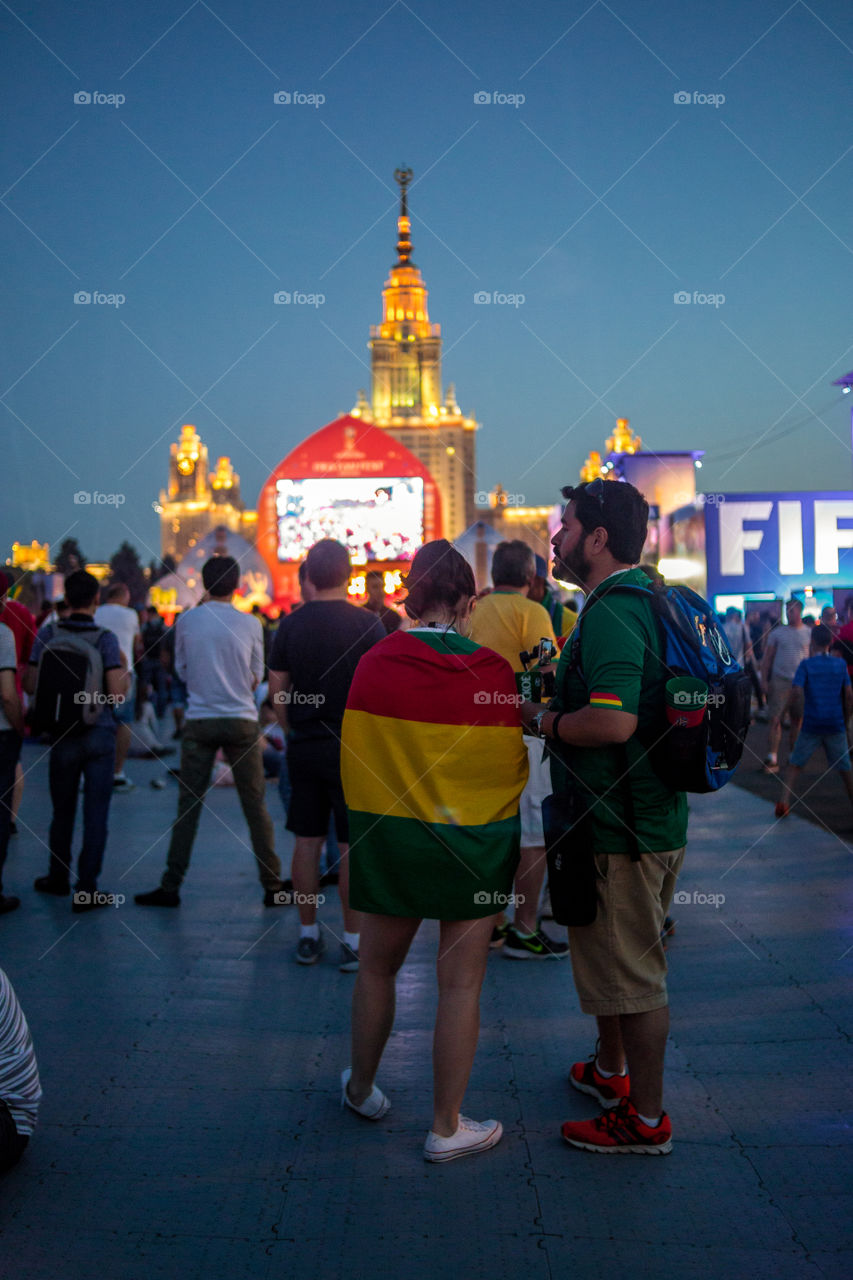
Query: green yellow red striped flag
(600, 699)
(433, 765)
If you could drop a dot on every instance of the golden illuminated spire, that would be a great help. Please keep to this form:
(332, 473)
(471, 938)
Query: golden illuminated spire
(404, 226)
(592, 468)
(404, 299)
(406, 397)
(623, 440)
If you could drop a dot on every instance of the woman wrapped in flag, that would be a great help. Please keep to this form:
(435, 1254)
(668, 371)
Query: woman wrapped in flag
(433, 764)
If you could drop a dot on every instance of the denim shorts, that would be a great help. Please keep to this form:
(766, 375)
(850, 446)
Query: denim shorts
(834, 744)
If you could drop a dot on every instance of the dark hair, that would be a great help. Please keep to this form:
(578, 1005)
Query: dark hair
(327, 565)
(221, 575)
(617, 507)
(439, 576)
(81, 588)
(116, 589)
(372, 575)
(822, 636)
(513, 564)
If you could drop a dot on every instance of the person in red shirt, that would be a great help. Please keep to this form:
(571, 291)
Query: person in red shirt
(22, 624)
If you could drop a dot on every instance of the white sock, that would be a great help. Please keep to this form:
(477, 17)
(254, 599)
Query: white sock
(608, 1075)
(653, 1124)
(310, 931)
(351, 940)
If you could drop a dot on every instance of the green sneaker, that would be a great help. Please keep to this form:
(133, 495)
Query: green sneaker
(533, 946)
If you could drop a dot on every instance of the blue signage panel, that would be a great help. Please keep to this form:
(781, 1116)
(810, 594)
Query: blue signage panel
(778, 542)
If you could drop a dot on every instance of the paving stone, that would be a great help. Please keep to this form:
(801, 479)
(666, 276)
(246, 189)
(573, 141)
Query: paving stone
(820, 1217)
(191, 1077)
(834, 1264)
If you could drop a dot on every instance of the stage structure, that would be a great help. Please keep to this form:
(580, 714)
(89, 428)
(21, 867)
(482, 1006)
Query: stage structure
(354, 483)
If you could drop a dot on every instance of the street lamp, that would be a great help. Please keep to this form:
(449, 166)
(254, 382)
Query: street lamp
(846, 384)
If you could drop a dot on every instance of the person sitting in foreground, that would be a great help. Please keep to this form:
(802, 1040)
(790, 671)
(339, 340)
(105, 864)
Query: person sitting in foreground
(20, 1088)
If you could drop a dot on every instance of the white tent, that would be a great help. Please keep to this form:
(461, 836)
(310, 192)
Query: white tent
(477, 544)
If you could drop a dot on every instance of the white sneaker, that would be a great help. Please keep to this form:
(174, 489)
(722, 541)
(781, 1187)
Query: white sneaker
(375, 1105)
(470, 1137)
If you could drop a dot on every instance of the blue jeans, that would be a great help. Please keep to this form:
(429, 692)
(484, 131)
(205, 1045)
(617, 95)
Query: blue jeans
(91, 754)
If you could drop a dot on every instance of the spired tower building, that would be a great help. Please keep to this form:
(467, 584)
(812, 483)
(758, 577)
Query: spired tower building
(198, 499)
(406, 396)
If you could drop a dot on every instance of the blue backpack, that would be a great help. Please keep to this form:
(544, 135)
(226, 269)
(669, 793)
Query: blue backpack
(701, 757)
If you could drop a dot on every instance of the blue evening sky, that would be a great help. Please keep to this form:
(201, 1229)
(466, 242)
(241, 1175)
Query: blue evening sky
(598, 199)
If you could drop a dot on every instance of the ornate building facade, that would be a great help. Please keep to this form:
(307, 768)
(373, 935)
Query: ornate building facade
(406, 400)
(406, 396)
(198, 499)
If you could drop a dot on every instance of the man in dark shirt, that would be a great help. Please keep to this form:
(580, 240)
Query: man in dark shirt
(312, 662)
(152, 669)
(87, 752)
(374, 586)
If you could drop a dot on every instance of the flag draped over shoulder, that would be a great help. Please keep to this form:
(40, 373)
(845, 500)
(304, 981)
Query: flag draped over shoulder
(433, 764)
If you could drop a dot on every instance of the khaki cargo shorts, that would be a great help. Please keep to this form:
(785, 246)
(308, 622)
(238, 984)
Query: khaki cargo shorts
(618, 961)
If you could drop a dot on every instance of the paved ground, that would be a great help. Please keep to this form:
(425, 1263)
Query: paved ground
(191, 1124)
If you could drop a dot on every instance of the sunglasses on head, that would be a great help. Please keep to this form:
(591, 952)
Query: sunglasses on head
(594, 489)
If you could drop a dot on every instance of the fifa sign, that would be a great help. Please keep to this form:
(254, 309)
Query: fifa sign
(759, 542)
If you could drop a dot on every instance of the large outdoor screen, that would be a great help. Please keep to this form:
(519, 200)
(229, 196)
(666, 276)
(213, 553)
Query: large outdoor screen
(377, 518)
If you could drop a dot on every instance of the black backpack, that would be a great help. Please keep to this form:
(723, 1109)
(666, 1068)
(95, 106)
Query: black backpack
(69, 694)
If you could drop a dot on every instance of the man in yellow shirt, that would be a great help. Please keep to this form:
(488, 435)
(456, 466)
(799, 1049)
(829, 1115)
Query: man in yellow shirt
(506, 621)
(563, 616)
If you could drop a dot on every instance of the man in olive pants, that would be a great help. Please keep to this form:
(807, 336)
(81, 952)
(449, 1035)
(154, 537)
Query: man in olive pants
(219, 654)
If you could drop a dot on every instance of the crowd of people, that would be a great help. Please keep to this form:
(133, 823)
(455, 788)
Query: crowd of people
(407, 758)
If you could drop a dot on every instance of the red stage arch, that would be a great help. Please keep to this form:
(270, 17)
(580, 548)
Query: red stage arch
(344, 449)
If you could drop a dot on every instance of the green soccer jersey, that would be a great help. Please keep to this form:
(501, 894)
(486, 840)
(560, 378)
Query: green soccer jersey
(618, 666)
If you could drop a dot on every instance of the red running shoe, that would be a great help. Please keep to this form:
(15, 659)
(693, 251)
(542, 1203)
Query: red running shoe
(782, 809)
(584, 1077)
(620, 1130)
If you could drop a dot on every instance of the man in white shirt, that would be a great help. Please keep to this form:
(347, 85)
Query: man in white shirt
(784, 650)
(219, 654)
(118, 617)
